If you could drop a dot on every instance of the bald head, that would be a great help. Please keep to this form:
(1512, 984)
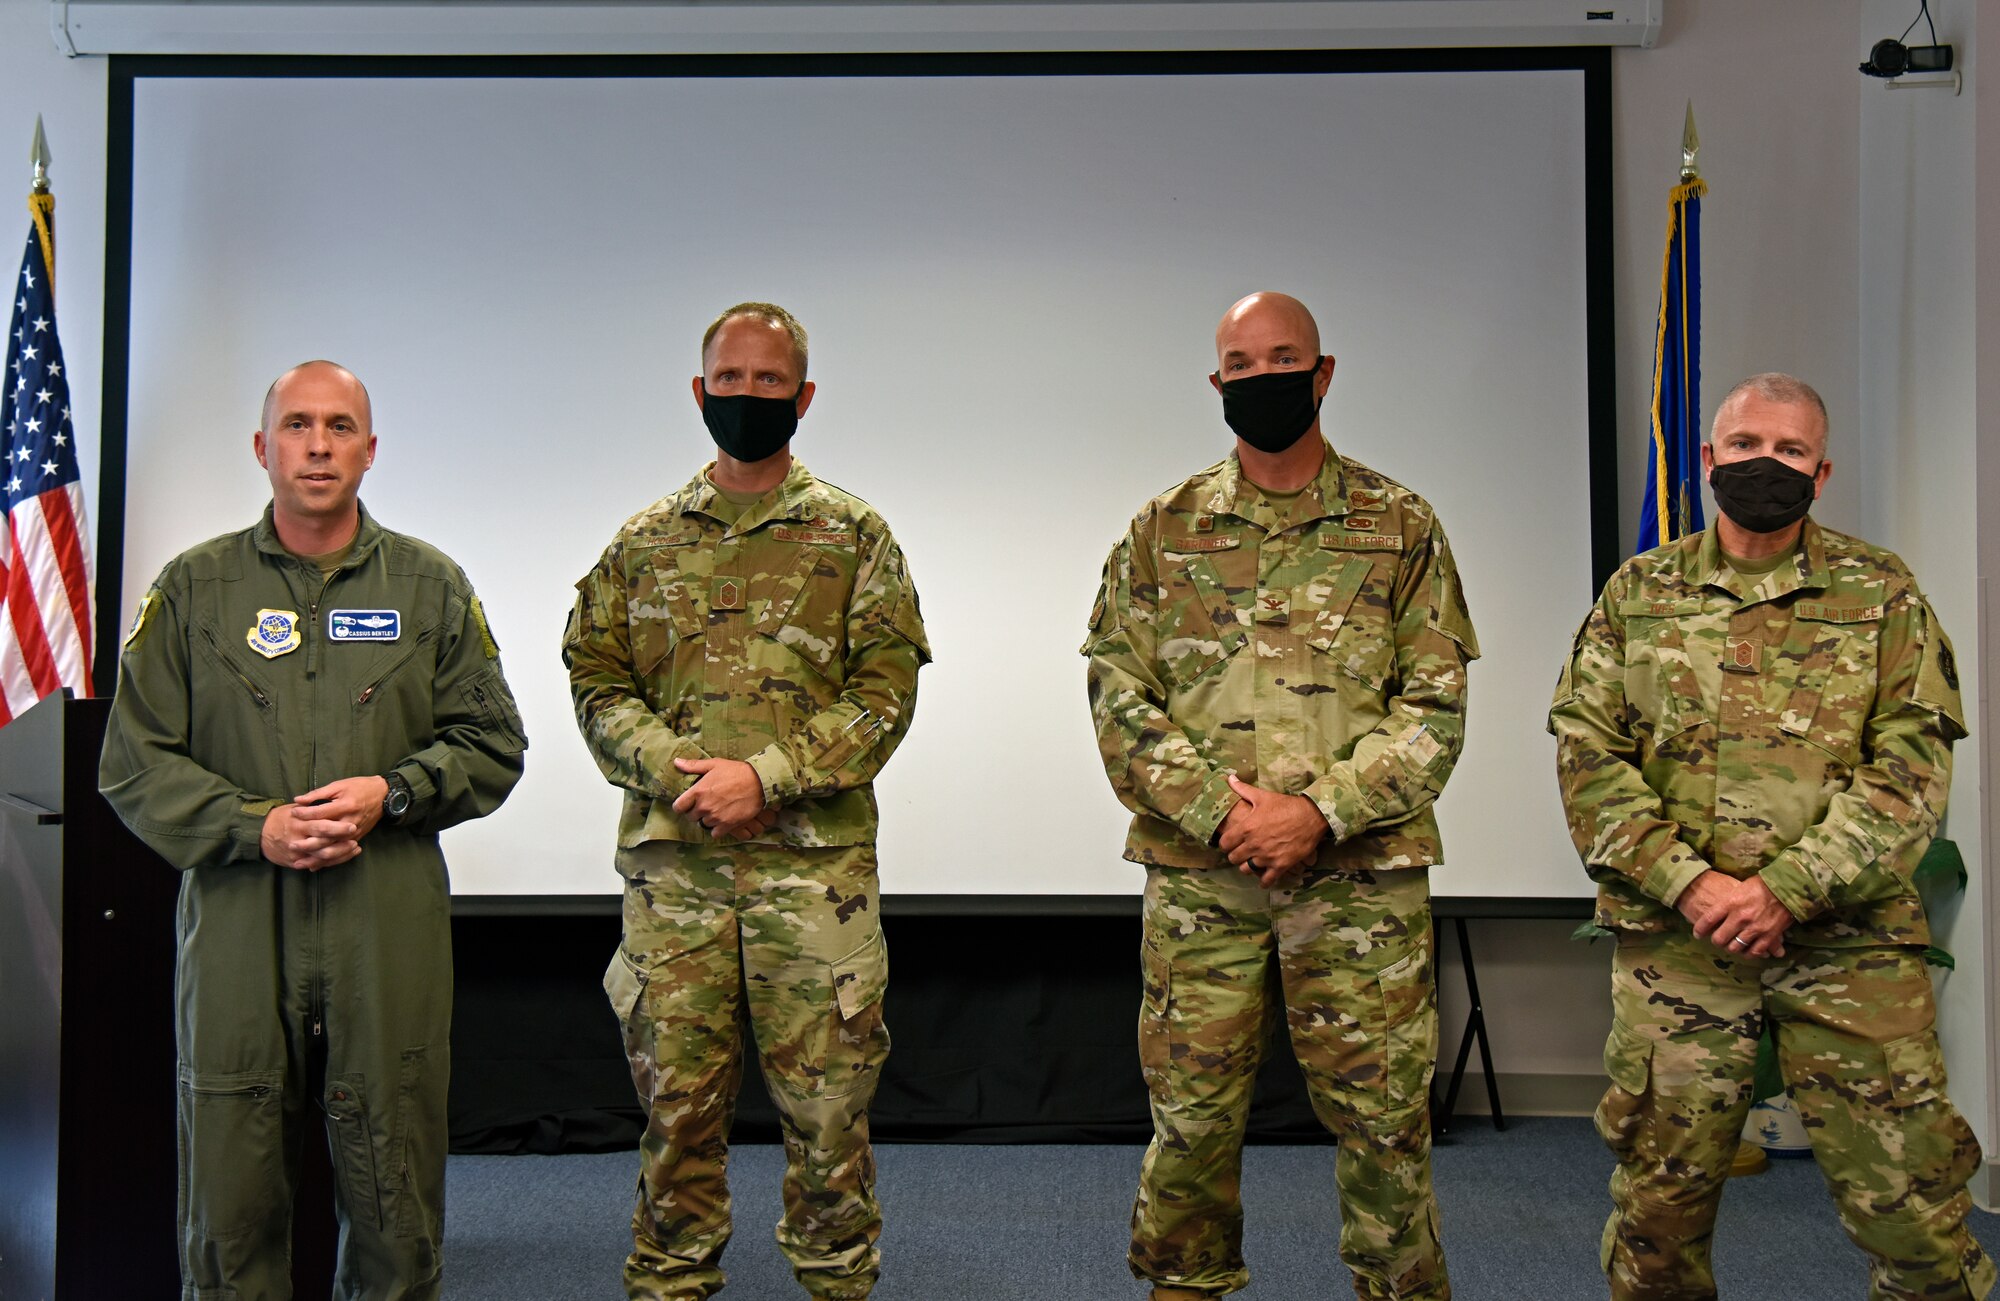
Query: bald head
(1265, 318)
(364, 408)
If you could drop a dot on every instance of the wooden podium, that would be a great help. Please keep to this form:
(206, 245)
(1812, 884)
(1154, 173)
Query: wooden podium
(88, 1179)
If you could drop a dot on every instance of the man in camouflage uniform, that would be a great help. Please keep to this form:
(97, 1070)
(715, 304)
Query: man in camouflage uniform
(302, 707)
(1754, 745)
(1277, 675)
(744, 660)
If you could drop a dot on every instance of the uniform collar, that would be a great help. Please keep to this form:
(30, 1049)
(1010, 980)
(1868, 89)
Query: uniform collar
(1808, 571)
(366, 536)
(1324, 497)
(794, 499)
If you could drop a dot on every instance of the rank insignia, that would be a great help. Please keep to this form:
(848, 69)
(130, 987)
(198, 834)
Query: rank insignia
(727, 594)
(1743, 655)
(275, 633)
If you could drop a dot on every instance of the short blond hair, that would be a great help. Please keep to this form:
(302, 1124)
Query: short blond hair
(771, 314)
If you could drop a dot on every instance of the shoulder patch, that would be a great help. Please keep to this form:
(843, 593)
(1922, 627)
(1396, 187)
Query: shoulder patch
(147, 604)
(486, 642)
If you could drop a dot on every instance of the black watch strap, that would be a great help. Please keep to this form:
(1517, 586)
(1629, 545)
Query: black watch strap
(396, 804)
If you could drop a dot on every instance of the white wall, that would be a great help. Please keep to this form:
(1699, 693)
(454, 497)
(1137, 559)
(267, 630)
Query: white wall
(1921, 441)
(69, 94)
(1782, 116)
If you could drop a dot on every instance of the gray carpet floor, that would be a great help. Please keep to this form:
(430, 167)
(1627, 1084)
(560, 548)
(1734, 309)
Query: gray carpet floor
(1521, 1213)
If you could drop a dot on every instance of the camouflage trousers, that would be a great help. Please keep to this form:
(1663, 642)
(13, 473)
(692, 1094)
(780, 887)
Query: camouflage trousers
(1861, 1061)
(789, 940)
(1354, 979)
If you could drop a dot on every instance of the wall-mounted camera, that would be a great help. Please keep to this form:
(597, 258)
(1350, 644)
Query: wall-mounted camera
(1892, 58)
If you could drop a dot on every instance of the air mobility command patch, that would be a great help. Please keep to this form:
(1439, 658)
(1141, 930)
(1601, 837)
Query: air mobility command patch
(275, 633)
(147, 603)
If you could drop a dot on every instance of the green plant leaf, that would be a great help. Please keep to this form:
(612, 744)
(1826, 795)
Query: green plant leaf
(1938, 957)
(1941, 865)
(1590, 931)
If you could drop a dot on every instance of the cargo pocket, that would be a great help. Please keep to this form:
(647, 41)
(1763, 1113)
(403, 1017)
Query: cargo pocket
(1628, 1061)
(1410, 1027)
(1155, 1032)
(353, 1147)
(404, 1208)
(860, 1041)
(625, 986)
(232, 1134)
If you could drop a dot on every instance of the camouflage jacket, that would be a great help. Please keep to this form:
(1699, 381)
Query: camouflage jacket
(790, 640)
(1797, 725)
(1320, 652)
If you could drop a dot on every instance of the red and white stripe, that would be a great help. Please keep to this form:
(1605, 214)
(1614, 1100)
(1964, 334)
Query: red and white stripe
(46, 581)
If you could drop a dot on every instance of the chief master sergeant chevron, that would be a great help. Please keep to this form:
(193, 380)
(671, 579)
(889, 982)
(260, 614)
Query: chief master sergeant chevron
(1754, 746)
(1278, 674)
(302, 706)
(744, 660)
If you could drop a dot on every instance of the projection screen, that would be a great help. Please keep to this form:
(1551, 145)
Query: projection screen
(1011, 282)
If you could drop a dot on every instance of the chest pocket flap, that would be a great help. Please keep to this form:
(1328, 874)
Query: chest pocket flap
(807, 612)
(660, 608)
(1360, 646)
(1205, 630)
(1828, 662)
(1656, 623)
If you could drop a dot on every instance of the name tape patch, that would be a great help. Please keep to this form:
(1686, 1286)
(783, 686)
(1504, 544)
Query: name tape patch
(1836, 613)
(1361, 541)
(1214, 542)
(364, 625)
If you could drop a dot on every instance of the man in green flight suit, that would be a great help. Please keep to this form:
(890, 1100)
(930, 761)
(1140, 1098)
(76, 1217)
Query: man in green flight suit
(1754, 736)
(744, 660)
(1278, 674)
(302, 707)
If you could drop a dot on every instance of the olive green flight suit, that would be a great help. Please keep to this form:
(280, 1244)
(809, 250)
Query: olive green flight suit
(248, 678)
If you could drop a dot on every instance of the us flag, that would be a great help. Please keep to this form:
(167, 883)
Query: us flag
(45, 567)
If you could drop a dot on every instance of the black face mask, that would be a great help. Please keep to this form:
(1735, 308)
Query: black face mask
(1271, 411)
(749, 428)
(1762, 494)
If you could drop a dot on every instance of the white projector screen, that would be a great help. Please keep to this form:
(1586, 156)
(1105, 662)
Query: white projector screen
(1011, 283)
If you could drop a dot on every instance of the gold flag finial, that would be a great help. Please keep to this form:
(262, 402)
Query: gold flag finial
(1690, 147)
(38, 154)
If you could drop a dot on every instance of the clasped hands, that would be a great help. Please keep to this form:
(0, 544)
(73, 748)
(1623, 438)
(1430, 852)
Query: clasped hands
(1742, 918)
(727, 798)
(323, 827)
(1270, 835)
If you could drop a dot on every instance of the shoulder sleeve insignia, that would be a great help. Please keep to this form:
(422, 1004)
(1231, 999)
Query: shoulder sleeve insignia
(147, 604)
(486, 642)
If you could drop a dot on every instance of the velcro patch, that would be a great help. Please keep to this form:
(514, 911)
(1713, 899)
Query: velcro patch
(646, 541)
(821, 537)
(364, 625)
(1219, 542)
(1658, 609)
(1368, 499)
(1836, 613)
(1361, 541)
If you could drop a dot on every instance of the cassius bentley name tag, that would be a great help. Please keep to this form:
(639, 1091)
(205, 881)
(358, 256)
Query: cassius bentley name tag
(364, 625)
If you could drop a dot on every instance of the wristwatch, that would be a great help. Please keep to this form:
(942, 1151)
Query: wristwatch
(396, 804)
